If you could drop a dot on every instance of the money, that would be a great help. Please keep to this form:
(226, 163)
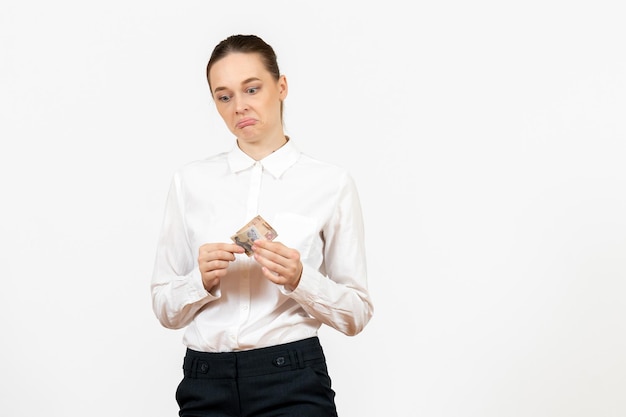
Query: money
(257, 228)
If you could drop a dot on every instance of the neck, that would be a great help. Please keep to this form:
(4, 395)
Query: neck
(258, 151)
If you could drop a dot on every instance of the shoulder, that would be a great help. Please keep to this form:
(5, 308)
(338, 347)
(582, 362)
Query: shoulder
(324, 170)
(213, 163)
(313, 163)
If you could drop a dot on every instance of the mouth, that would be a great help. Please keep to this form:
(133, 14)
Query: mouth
(248, 121)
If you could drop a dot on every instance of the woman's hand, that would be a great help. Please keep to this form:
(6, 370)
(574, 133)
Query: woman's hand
(213, 260)
(280, 264)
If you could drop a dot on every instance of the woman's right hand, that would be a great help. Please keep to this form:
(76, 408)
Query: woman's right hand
(213, 260)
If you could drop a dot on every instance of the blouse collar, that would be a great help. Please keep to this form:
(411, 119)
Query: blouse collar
(275, 163)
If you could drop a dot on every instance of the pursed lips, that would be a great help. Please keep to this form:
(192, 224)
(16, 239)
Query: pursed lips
(245, 122)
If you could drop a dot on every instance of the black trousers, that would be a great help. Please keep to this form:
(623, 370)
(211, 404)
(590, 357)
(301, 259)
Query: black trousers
(289, 380)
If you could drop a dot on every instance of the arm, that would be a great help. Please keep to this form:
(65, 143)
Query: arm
(178, 281)
(338, 297)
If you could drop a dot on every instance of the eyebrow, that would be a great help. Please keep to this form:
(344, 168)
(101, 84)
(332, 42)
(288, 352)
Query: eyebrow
(246, 81)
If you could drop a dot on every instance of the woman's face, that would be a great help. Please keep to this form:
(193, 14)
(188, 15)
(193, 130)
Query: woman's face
(247, 97)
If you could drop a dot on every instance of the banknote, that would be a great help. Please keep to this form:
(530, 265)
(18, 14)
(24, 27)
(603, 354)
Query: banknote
(257, 228)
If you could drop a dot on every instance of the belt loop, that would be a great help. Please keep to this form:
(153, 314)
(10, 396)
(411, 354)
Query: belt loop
(194, 368)
(296, 359)
(301, 359)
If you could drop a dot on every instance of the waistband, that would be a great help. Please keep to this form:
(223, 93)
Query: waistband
(254, 362)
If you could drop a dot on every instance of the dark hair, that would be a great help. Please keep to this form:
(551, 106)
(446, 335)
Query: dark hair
(245, 44)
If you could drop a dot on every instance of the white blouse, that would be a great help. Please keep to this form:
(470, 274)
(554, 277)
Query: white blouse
(313, 206)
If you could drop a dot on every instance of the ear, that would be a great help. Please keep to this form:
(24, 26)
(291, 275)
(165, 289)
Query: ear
(282, 87)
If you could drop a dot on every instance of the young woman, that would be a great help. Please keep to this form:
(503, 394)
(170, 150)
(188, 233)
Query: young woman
(252, 317)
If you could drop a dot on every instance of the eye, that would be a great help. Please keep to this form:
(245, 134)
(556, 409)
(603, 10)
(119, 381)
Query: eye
(224, 98)
(252, 90)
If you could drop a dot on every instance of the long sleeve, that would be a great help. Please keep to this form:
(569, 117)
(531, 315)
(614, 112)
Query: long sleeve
(337, 295)
(177, 290)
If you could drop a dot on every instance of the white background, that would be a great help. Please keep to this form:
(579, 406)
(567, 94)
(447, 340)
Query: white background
(487, 140)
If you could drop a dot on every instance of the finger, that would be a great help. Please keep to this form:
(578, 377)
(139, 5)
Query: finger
(217, 255)
(278, 272)
(235, 248)
(275, 277)
(275, 247)
(217, 265)
(271, 252)
(229, 247)
(223, 247)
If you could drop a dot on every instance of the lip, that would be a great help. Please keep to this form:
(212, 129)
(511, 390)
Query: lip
(248, 121)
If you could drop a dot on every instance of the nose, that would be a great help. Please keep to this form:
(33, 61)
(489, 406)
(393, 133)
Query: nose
(241, 106)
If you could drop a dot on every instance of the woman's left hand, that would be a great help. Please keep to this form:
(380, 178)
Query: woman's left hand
(280, 264)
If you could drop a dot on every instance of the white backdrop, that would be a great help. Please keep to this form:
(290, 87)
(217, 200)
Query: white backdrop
(488, 143)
